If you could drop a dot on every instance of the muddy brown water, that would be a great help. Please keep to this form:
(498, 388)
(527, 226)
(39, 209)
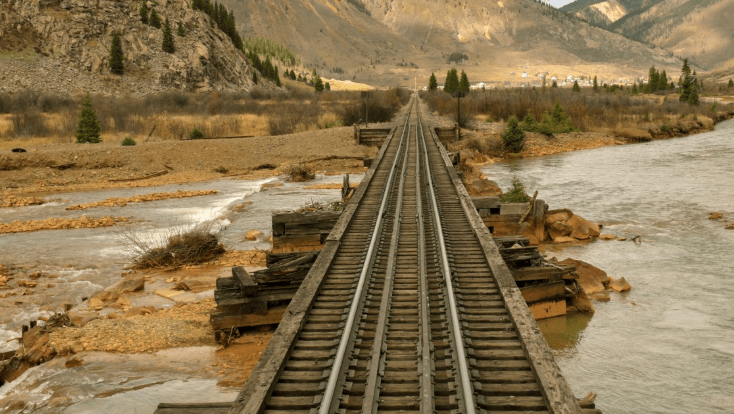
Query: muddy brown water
(668, 344)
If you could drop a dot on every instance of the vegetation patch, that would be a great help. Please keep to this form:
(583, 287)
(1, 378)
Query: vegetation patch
(516, 193)
(182, 247)
(299, 173)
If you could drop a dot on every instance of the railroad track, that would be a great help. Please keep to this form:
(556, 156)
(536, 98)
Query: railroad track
(403, 313)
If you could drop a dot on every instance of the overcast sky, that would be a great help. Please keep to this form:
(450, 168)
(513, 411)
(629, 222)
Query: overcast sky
(560, 3)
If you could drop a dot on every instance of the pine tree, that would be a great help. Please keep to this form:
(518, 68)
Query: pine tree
(88, 127)
(596, 84)
(180, 31)
(634, 89)
(693, 97)
(554, 84)
(514, 136)
(144, 12)
(327, 86)
(662, 81)
(432, 82)
(576, 87)
(254, 78)
(652, 79)
(529, 123)
(117, 66)
(686, 82)
(318, 84)
(464, 82)
(731, 83)
(155, 21)
(293, 75)
(452, 81)
(168, 45)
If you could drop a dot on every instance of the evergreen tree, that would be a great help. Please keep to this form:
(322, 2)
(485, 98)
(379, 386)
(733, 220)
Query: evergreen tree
(576, 87)
(662, 81)
(554, 84)
(168, 45)
(277, 76)
(180, 31)
(452, 81)
(693, 96)
(652, 79)
(686, 82)
(318, 84)
(543, 88)
(327, 86)
(155, 21)
(117, 66)
(432, 82)
(514, 136)
(144, 12)
(731, 83)
(293, 75)
(464, 82)
(254, 77)
(596, 84)
(529, 123)
(88, 127)
(634, 89)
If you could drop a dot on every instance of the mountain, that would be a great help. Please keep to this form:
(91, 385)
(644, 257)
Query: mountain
(62, 46)
(697, 29)
(388, 42)
(603, 13)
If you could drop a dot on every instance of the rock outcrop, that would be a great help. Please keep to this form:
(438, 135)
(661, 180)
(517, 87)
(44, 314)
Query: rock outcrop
(63, 46)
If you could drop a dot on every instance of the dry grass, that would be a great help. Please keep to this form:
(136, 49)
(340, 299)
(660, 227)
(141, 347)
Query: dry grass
(590, 111)
(299, 173)
(35, 118)
(181, 247)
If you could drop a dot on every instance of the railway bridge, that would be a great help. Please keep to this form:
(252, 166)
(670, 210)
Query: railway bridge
(409, 308)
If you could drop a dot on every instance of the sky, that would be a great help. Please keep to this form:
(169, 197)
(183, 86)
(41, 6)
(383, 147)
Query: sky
(560, 3)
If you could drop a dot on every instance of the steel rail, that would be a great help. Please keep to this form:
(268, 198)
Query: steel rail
(379, 349)
(426, 362)
(336, 368)
(464, 377)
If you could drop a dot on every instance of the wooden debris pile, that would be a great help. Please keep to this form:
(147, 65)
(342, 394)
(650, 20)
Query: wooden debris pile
(260, 298)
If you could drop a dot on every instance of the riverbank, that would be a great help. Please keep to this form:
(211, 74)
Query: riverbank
(50, 168)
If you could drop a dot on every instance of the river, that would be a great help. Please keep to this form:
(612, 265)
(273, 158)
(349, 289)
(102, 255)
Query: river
(668, 344)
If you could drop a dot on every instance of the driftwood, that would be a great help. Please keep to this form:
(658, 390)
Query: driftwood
(158, 174)
(530, 208)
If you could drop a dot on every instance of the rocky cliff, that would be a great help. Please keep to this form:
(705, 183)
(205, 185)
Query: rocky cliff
(63, 46)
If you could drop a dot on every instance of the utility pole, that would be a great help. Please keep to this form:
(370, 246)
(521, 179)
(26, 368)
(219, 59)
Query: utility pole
(458, 95)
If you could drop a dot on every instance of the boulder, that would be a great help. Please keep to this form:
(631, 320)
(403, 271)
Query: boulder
(253, 235)
(591, 278)
(564, 239)
(128, 284)
(559, 229)
(620, 285)
(607, 237)
(582, 302)
(80, 319)
(601, 296)
(583, 229)
(715, 216)
(483, 187)
(558, 215)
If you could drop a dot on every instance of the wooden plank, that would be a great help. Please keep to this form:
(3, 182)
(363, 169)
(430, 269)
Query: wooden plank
(485, 202)
(237, 320)
(556, 392)
(304, 217)
(193, 408)
(528, 274)
(549, 309)
(545, 292)
(247, 283)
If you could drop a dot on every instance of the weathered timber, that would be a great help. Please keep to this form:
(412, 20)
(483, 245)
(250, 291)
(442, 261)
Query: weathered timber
(553, 291)
(539, 211)
(246, 283)
(531, 204)
(448, 135)
(372, 136)
(193, 408)
(301, 230)
(531, 274)
(293, 270)
(223, 321)
(556, 392)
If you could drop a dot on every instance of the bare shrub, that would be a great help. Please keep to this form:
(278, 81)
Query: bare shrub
(182, 246)
(290, 118)
(299, 172)
(30, 123)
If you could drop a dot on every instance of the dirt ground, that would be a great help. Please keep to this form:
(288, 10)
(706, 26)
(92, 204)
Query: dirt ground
(49, 168)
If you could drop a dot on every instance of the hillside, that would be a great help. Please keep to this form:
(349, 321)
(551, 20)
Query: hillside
(390, 42)
(603, 13)
(63, 47)
(697, 29)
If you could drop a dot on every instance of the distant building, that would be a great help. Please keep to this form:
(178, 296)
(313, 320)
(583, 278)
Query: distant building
(524, 74)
